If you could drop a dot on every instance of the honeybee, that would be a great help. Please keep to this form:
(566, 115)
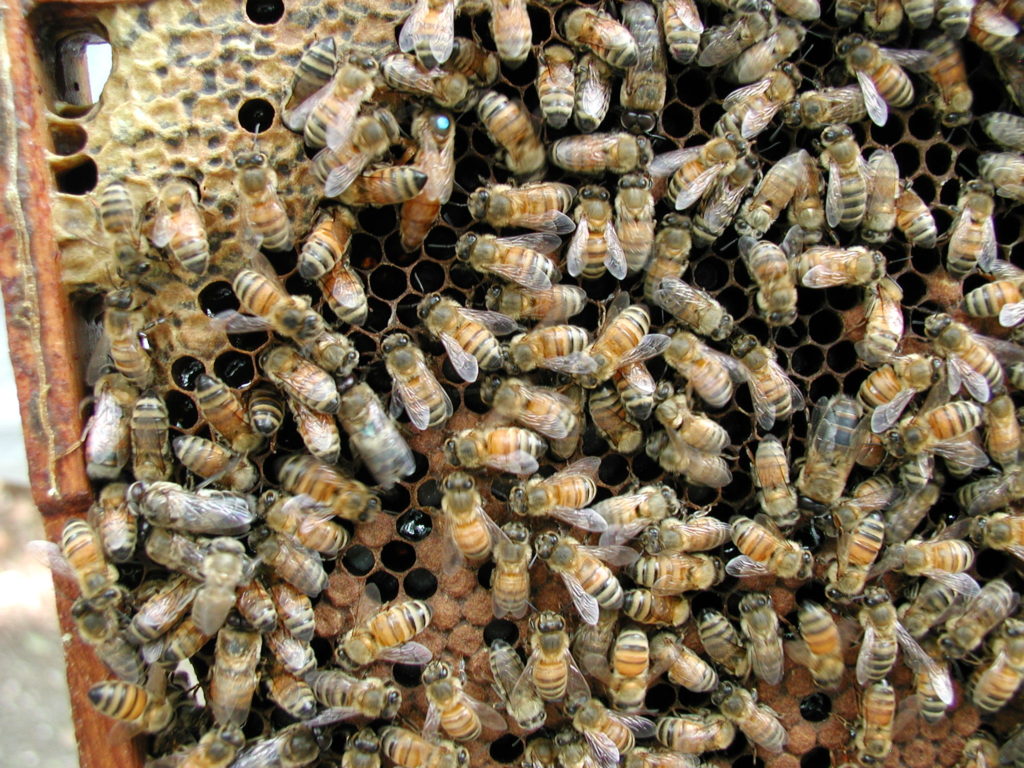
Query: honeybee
(1000, 531)
(468, 58)
(215, 463)
(178, 226)
(595, 245)
(980, 752)
(264, 296)
(224, 412)
(176, 551)
(291, 747)
(551, 671)
(510, 29)
(822, 649)
(698, 533)
(757, 721)
(370, 138)
(593, 92)
(884, 323)
(123, 325)
(599, 153)
(111, 518)
(889, 389)
(596, 31)
(225, 567)
(722, 642)
(860, 542)
(1003, 432)
(770, 268)
(262, 211)
(773, 394)
(677, 456)
(539, 205)
(873, 737)
(151, 453)
(555, 305)
(765, 550)
(565, 496)
(776, 495)
(994, 686)
(347, 498)
(847, 179)
(556, 86)
(293, 655)
(760, 624)
(543, 410)
(822, 266)
(695, 733)
(695, 169)
(711, 374)
(559, 348)
(944, 430)
(468, 335)
(750, 109)
(435, 132)
(302, 380)
(623, 341)
(776, 190)
(367, 696)
(608, 733)
(313, 72)
(334, 352)
(216, 749)
(306, 520)
(507, 669)
(932, 604)
(108, 435)
(766, 54)
(462, 717)
(969, 363)
(947, 70)
(234, 678)
(521, 259)
(362, 750)
(510, 580)
(294, 609)
(694, 429)
(373, 434)
(676, 572)
(96, 621)
(387, 635)
(508, 124)
(204, 511)
(628, 514)
(644, 606)
(992, 29)
(590, 582)
(328, 116)
(634, 219)
(506, 449)
(409, 749)
(1005, 129)
(120, 221)
(972, 239)
(671, 253)
(429, 30)
(880, 74)
(954, 16)
(685, 668)
(385, 185)
(415, 388)
(883, 191)
(471, 530)
(914, 218)
(643, 89)
(836, 431)
(682, 28)
(266, 411)
(403, 72)
(920, 13)
(612, 421)
(257, 607)
(1005, 172)
(719, 206)
(820, 108)
(299, 566)
(628, 675)
(144, 709)
(694, 308)
(722, 44)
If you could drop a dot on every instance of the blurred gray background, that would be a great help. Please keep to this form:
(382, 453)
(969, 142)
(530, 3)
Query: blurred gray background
(34, 707)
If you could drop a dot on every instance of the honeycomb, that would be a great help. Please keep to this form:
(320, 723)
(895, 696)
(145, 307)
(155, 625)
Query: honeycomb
(193, 84)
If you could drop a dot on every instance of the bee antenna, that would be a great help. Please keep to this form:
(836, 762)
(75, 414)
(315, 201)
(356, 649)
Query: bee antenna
(416, 276)
(440, 246)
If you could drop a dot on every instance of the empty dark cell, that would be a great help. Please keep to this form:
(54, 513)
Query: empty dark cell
(739, 489)
(701, 496)
(407, 675)
(283, 262)
(264, 11)
(710, 114)
(78, 179)
(819, 757)
(735, 301)
(396, 251)
(406, 313)
(923, 262)
(991, 563)
(414, 524)
(358, 560)
(365, 252)
(68, 138)
(938, 158)
(253, 726)
(748, 761)
(540, 24)
(394, 499)
(755, 326)
(387, 282)
(825, 328)
(588, 317)
(185, 370)
(973, 281)
(380, 381)
(429, 494)
(736, 424)
(645, 468)
(853, 380)
(422, 465)
(323, 649)
(379, 315)
(965, 162)
(483, 146)
(807, 360)
(922, 123)
(248, 342)
(811, 590)
(455, 213)
(677, 120)
(483, 574)
(507, 748)
(710, 274)
(522, 75)
(842, 357)
(256, 115)
(614, 469)
(297, 285)
(823, 386)
(660, 698)
(464, 276)
(501, 629)
(471, 396)
(234, 369)
(704, 600)
(378, 221)
(364, 344)
(398, 556)
(427, 276)
(181, 410)
(600, 288)
(456, 397)
(1007, 229)
(844, 297)
(594, 444)
(948, 195)
(386, 584)
(890, 133)
(908, 159)
(791, 335)
(420, 584)
(690, 700)
(815, 707)
(470, 169)
(809, 300)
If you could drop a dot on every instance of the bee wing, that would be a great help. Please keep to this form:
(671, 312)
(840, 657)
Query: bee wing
(585, 603)
(768, 665)
(576, 683)
(669, 162)
(721, 46)
(542, 242)
(408, 653)
(233, 321)
(339, 130)
(641, 380)
(516, 463)
(218, 515)
(742, 566)
(348, 293)
(834, 194)
(617, 534)
(160, 232)
(523, 687)
(989, 245)
(552, 221)
(911, 59)
(867, 645)
(876, 106)
(411, 27)
(576, 363)
(605, 752)
(418, 414)
(976, 384)
(431, 722)
(960, 583)
(963, 451)
(341, 177)
(756, 120)
(464, 363)
(495, 322)
(489, 716)
(741, 95)
(613, 554)
(720, 206)
(585, 519)
(295, 119)
(823, 276)
(692, 192)
(47, 553)
(918, 660)
(687, 12)
(650, 345)
(885, 416)
(764, 410)
(574, 253)
(524, 274)
(615, 257)
(547, 423)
